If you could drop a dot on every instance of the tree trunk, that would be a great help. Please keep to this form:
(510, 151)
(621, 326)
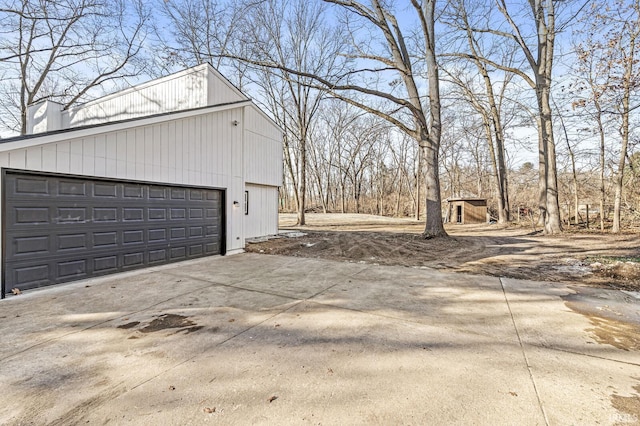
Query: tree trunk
(418, 174)
(431, 140)
(624, 131)
(303, 180)
(433, 211)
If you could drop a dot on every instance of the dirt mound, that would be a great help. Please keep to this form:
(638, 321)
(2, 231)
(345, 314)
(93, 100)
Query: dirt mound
(507, 251)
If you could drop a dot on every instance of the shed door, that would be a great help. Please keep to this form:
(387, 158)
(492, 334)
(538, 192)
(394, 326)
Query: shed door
(59, 229)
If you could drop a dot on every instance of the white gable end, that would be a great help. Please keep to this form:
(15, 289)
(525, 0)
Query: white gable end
(196, 87)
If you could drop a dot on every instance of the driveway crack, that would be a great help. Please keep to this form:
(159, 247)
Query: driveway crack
(524, 355)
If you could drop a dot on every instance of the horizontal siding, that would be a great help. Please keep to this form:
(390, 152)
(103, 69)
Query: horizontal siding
(263, 211)
(263, 149)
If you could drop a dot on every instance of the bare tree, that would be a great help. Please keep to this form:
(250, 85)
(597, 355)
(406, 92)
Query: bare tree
(537, 47)
(623, 36)
(488, 103)
(282, 36)
(60, 50)
(192, 32)
(590, 95)
(384, 69)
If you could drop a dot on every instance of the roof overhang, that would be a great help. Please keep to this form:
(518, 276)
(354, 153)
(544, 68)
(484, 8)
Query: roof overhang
(27, 141)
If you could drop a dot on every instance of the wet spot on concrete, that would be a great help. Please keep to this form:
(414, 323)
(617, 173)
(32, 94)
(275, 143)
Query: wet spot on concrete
(166, 321)
(628, 404)
(610, 324)
(617, 334)
(129, 325)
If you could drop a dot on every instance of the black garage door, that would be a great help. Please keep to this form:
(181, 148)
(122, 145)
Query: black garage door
(59, 228)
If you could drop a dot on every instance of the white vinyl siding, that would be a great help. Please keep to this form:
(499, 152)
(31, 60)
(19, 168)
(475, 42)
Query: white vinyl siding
(263, 211)
(205, 150)
(263, 149)
(191, 128)
(194, 88)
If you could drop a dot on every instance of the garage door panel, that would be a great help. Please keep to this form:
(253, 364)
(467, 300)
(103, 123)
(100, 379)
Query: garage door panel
(178, 253)
(31, 245)
(72, 188)
(131, 191)
(105, 264)
(158, 193)
(178, 213)
(72, 268)
(156, 213)
(105, 190)
(157, 235)
(156, 256)
(212, 248)
(59, 229)
(31, 186)
(29, 215)
(72, 242)
(178, 194)
(105, 214)
(30, 276)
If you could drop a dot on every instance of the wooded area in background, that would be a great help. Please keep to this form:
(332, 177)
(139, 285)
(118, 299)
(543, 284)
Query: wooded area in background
(530, 104)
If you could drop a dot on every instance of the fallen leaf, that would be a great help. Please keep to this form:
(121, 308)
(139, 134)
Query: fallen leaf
(231, 320)
(16, 291)
(277, 325)
(273, 398)
(209, 410)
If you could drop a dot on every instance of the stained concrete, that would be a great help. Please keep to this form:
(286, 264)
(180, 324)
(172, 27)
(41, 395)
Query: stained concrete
(257, 339)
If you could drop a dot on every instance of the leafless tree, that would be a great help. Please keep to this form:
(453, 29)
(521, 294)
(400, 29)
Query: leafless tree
(192, 32)
(61, 50)
(383, 68)
(282, 37)
(533, 29)
(486, 104)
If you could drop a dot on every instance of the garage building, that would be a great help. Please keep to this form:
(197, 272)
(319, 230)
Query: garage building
(177, 168)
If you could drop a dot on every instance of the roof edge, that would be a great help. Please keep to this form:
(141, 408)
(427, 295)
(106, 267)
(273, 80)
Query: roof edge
(94, 129)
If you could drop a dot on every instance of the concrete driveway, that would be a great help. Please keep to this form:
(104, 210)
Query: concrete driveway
(257, 339)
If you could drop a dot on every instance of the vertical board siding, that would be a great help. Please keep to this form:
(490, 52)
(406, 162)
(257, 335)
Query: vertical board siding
(263, 149)
(220, 91)
(193, 88)
(263, 211)
(171, 152)
(184, 91)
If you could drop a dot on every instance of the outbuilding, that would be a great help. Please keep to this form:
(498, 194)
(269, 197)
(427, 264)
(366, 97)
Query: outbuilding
(180, 167)
(467, 210)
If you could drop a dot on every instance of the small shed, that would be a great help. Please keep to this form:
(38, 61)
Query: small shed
(177, 168)
(467, 210)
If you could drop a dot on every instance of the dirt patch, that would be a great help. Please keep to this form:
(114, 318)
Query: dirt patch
(604, 260)
(628, 404)
(166, 321)
(129, 325)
